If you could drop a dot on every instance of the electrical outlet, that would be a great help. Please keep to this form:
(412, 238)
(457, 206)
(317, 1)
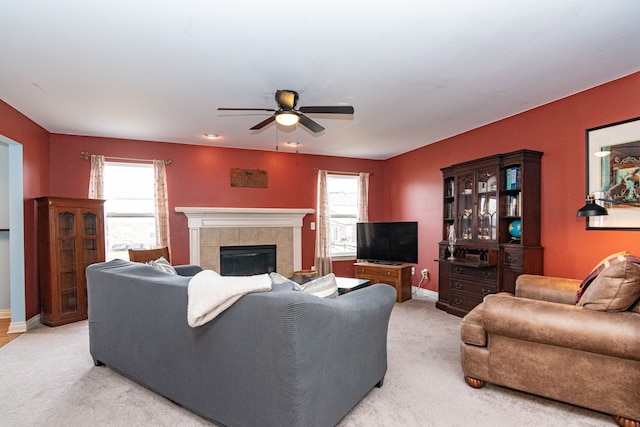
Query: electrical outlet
(425, 273)
(413, 271)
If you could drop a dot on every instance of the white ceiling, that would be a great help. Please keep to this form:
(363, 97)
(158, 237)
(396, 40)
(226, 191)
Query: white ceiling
(416, 72)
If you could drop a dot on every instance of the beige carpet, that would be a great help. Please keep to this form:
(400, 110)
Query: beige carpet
(47, 378)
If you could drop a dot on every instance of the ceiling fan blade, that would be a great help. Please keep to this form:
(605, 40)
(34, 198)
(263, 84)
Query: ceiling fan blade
(246, 109)
(264, 123)
(310, 124)
(336, 109)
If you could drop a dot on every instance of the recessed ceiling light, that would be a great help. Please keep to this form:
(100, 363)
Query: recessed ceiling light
(211, 135)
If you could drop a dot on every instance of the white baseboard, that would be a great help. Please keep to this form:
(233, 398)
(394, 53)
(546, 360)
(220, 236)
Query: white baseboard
(421, 292)
(21, 327)
(5, 313)
(34, 322)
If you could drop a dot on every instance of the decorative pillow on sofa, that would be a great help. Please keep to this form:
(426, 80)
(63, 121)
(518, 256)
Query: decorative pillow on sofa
(597, 270)
(323, 287)
(279, 278)
(614, 285)
(162, 264)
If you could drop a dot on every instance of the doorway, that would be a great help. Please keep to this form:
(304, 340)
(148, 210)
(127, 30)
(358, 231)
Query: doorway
(14, 216)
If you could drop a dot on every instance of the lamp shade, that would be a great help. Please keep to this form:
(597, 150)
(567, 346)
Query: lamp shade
(287, 118)
(592, 208)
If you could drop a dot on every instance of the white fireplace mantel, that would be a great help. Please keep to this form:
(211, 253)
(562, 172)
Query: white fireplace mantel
(203, 217)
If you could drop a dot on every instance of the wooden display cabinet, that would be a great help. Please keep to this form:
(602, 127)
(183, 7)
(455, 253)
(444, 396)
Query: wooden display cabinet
(70, 238)
(486, 201)
(396, 275)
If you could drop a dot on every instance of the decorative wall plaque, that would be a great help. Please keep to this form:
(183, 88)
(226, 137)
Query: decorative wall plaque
(255, 178)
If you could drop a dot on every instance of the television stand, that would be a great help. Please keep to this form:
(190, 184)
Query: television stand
(384, 262)
(396, 275)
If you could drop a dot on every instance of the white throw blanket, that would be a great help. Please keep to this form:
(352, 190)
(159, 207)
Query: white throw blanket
(210, 294)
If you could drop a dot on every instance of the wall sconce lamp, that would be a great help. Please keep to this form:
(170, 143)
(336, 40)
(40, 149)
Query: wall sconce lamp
(592, 208)
(287, 117)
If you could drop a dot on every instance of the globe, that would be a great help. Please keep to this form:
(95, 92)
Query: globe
(514, 229)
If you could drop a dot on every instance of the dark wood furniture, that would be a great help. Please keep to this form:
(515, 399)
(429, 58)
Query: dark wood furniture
(398, 276)
(481, 200)
(349, 284)
(146, 255)
(70, 237)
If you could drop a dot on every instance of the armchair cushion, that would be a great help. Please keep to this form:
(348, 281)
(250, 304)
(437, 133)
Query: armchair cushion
(615, 287)
(562, 325)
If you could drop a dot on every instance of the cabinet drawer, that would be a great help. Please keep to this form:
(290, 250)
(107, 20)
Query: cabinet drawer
(475, 288)
(488, 274)
(378, 271)
(464, 300)
(513, 258)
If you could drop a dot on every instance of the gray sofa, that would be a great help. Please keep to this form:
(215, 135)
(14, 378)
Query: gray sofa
(278, 358)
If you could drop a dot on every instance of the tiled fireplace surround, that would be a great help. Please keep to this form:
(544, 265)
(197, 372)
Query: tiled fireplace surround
(210, 228)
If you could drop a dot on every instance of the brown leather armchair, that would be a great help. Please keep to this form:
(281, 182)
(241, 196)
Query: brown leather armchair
(539, 341)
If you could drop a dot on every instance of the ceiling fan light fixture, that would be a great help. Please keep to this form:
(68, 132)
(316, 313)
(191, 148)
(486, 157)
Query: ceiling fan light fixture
(287, 118)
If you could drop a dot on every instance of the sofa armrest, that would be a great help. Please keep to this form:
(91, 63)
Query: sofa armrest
(187, 269)
(613, 334)
(546, 288)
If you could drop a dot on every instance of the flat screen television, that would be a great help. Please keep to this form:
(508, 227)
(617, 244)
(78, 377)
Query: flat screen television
(387, 242)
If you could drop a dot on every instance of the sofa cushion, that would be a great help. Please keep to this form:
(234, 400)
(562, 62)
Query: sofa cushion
(163, 265)
(615, 287)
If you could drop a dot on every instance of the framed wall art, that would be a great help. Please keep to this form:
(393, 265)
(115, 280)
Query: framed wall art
(613, 174)
(255, 178)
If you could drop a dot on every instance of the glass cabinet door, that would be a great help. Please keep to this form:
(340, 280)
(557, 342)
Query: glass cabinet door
(67, 245)
(487, 205)
(464, 217)
(89, 239)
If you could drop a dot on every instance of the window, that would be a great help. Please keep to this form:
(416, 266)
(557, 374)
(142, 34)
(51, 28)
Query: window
(343, 205)
(129, 208)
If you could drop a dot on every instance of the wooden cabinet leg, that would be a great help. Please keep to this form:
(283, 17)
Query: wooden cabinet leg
(625, 422)
(476, 383)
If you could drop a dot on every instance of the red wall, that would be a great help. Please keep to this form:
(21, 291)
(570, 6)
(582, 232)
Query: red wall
(35, 152)
(413, 187)
(199, 176)
(406, 187)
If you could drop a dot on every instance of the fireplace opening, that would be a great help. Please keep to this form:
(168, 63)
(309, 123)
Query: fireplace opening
(247, 260)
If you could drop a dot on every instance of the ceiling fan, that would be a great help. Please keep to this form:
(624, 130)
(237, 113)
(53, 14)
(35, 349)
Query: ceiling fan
(288, 115)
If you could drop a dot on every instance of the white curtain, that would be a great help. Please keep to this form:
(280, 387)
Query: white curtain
(161, 204)
(363, 197)
(96, 178)
(323, 227)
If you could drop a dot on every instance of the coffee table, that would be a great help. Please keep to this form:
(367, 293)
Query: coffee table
(348, 284)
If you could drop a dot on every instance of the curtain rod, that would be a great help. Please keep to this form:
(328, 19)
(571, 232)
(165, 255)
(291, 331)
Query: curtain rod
(85, 155)
(315, 170)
